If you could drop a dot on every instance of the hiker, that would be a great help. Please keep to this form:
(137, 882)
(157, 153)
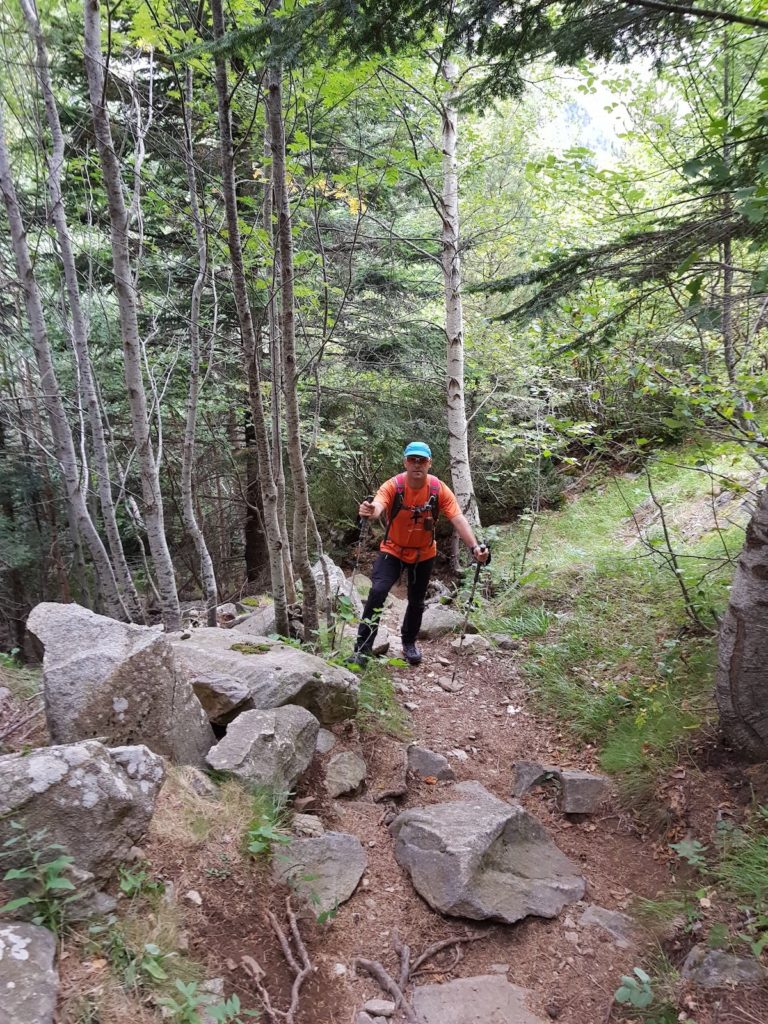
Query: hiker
(412, 502)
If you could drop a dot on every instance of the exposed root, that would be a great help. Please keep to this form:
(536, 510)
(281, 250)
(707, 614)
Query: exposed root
(297, 960)
(396, 989)
(387, 983)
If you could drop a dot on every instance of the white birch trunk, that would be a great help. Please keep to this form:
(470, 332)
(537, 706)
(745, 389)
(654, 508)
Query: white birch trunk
(288, 341)
(276, 363)
(129, 324)
(245, 318)
(188, 456)
(79, 329)
(73, 475)
(458, 447)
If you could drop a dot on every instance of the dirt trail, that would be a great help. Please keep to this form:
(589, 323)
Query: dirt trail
(571, 971)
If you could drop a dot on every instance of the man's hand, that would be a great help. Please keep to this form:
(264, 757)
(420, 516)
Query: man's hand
(480, 553)
(367, 509)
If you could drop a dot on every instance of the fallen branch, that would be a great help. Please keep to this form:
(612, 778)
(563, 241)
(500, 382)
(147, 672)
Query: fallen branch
(18, 724)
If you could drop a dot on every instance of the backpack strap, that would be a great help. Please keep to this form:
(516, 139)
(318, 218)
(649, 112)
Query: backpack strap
(397, 503)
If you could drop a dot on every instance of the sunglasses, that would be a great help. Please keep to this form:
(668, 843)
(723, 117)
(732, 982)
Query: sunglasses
(418, 459)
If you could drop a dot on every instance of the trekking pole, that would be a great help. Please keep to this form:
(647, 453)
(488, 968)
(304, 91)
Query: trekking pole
(364, 523)
(478, 567)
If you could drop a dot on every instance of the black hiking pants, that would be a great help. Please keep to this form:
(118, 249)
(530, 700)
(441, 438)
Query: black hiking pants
(386, 572)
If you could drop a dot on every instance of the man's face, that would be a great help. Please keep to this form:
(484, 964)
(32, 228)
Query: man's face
(417, 468)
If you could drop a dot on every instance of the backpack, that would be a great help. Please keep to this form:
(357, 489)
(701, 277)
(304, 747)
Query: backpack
(430, 510)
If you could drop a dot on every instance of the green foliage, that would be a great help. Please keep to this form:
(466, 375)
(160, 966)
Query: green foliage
(692, 851)
(266, 828)
(137, 881)
(188, 1004)
(635, 990)
(43, 870)
(250, 648)
(378, 708)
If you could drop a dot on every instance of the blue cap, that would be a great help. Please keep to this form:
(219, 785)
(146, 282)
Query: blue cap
(418, 448)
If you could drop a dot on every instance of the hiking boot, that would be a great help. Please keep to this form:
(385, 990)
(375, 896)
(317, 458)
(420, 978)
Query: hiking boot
(411, 652)
(360, 658)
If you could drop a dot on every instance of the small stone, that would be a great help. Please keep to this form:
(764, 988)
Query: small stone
(427, 764)
(339, 970)
(213, 985)
(346, 773)
(712, 968)
(380, 1008)
(363, 1018)
(460, 755)
(442, 660)
(572, 937)
(472, 643)
(307, 825)
(504, 642)
(193, 896)
(326, 741)
(411, 705)
(583, 792)
(499, 968)
(619, 927)
(449, 685)
(5, 693)
(527, 775)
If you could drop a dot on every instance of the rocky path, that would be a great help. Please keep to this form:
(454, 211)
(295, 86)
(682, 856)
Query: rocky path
(570, 968)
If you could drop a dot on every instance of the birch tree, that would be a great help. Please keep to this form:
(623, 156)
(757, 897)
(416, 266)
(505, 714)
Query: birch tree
(288, 342)
(207, 574)
(248, 334)
(450, 258)
(129, 322)
(74, 475)
(77, 325)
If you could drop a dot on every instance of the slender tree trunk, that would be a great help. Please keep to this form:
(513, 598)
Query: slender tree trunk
(64, 446)
(458, 446)
(266, 477)
(288, 341)
(188, 459)
(742, 671)
(129, 324)
(79, 330)
(276, 364)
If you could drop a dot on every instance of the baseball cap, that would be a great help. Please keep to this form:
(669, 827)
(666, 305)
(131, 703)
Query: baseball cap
(418, 448)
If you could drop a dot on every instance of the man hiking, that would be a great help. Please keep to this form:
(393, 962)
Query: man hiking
(412, 501)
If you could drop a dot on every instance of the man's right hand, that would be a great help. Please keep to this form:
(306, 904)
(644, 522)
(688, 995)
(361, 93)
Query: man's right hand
(367, 509)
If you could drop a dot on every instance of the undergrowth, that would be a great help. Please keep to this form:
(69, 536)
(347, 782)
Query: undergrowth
(378, 708)
(618, 661)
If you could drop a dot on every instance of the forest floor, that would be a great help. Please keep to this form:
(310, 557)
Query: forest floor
(572, 972)
(603, 678)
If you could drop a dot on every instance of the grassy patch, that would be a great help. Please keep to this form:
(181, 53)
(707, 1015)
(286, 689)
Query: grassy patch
(268, 824)
(188, 814)
(618, 661)
(378, 709)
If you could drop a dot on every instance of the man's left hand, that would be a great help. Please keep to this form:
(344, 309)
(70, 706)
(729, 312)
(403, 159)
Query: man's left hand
(481, 553)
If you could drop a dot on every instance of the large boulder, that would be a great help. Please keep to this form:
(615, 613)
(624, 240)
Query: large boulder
(268, 748)
(487, 999)
(29, 983)
(440, 620)
(324, 870)
(340, 585)
(93, 801)
(480, 857)
(260, 622)
(254, 673)
(118, 682)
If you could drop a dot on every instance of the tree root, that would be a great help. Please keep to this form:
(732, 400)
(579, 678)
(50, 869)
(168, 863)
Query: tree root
(298, 961)
(408, 968)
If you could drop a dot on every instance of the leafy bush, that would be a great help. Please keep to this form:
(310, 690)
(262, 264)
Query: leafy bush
(48, 889)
